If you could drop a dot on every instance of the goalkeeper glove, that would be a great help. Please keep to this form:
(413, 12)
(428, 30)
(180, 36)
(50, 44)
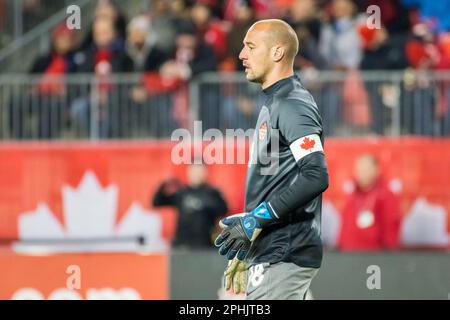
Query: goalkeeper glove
(240, 230)
(236, 276)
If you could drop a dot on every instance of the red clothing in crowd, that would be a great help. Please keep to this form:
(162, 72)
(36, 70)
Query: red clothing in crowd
(370, 220)
(215, 36)
(52, 81)
(103, 69)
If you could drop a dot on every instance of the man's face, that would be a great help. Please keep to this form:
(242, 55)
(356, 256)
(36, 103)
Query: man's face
(105, 10)
(63, 43)
(342, 8)
(200, 14)
(186, 44)
(137, 37)
(366, 172)
(303, 9)
(242, 13)
(255, 55)
(103, 32)
(196, 174)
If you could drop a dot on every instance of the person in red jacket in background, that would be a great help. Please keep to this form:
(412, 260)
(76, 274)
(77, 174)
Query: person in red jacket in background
(371, 215)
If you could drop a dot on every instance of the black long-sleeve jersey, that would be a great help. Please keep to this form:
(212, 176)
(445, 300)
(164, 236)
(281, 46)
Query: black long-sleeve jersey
(287, 169)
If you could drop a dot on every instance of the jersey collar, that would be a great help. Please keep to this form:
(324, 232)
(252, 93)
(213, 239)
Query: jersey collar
(273, 88)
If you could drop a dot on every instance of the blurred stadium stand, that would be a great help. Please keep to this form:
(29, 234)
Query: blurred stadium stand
(372, 103)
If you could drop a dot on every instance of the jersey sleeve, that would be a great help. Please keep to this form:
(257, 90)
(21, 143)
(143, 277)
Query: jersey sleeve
(300, 125)
(297, 119)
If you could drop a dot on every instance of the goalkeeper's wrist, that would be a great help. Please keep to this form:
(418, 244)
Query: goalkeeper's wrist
(264, 214)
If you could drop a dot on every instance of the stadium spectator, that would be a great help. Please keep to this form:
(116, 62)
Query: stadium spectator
(339, 45)
(381, 52)
(190, 58)
(394, 15)
(208, 29)
(193, 55)
(199, 207)
(303, 16)
(48, 99)
(242, 19)
(339, 40)
(57, 62)
(106, 54)
(371, 216)
(142, 55)
(167, 17)
(423, 101)
(103, 58)
(307, 13)
(107, 9)
(261, 8)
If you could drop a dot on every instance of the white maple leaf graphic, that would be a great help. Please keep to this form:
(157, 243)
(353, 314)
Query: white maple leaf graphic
(425, 224)
(90, 213)
(331, 222)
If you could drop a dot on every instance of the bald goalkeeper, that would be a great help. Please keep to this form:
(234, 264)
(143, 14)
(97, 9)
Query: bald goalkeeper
(274, 248)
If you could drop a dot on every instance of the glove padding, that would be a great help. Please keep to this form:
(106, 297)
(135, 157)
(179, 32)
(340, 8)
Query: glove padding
(236, 276)
(240, 230)
(234, 239)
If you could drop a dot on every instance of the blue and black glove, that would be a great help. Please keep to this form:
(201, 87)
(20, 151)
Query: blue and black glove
(240, 230)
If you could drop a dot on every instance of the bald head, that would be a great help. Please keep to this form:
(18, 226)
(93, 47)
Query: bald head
(270, 47)
(277, 32)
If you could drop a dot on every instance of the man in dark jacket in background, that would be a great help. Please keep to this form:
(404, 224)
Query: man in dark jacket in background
(199, 207)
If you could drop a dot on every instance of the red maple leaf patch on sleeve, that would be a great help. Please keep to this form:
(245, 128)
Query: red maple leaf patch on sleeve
(307, 144)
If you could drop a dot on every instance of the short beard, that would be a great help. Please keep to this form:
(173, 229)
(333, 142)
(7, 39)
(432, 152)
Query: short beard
(258, 80)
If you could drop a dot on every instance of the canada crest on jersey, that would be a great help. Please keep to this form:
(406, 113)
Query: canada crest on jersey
(263, 131)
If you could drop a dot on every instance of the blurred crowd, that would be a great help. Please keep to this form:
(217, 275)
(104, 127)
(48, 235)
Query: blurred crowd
(173, 41)
(185, 37)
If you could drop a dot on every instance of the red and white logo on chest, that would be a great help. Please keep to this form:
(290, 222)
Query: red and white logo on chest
(262, 132)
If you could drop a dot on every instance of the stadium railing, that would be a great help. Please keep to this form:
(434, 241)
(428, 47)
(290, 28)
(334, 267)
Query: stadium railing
(132, 106)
